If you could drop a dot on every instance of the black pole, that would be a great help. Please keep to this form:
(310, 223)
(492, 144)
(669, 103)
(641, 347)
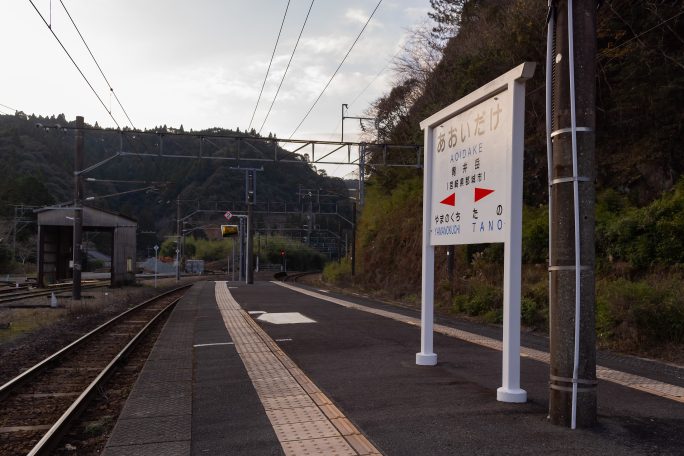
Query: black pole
(572, 194)
(353, 246)
(450, 268)
(178, 238)
(251, 177)
(78, 210)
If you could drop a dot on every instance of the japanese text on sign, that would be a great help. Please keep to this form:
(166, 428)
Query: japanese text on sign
(470, 177)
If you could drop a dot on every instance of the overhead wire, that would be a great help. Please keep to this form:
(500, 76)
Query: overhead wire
(337, 69)
(111, 90)
(339, 123)
(389, 62)
(306, 19)
(269, 65)
(637, 36)
(75, 64)
(8, 107)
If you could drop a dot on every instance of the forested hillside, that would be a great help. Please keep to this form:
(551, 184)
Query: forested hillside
(38, 169)
(640, 214)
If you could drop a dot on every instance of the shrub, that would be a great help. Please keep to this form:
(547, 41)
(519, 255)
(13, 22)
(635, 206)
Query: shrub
(642, 314)
(481, 299)
(338, 273)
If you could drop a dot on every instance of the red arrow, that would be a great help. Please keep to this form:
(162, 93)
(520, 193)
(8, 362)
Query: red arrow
(449, 200)
(481, 193)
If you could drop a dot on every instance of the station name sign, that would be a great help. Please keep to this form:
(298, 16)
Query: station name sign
(470, 174)
(472, 194)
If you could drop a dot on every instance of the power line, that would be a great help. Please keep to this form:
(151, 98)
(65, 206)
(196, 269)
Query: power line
(389, 62)
(96, 63)
(338, 69)
(269, 65)
(75, 64)
(8, 107)
(370, 83)
(287, 67)
(635, 37)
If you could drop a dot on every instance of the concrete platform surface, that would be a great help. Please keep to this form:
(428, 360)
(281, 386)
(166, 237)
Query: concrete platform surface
(343, 380)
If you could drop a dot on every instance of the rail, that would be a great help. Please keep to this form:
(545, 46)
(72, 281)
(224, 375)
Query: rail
(10, 391)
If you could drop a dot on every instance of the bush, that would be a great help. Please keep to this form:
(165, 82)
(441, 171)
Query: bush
(299, 256)
(534, 306)
(645, 236)
(338, 273)
(481, 300)
(535, 234)
(642, 314)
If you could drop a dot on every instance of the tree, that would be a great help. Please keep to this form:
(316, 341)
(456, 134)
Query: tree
(447, 16)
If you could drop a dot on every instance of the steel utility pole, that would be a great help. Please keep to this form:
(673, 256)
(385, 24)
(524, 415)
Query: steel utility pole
(571, 205)
(251, 190)
(78, 210)
(178, 239)
(353, 242)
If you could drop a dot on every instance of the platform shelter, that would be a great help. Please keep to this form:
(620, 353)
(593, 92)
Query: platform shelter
(55, 243)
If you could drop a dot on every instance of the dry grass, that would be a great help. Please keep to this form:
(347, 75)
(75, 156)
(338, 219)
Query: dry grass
(15, 323)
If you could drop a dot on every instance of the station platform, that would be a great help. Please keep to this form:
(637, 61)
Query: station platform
(270, 369)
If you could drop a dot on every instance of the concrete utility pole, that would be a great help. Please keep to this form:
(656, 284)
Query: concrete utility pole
(571, 246)
(78, 210)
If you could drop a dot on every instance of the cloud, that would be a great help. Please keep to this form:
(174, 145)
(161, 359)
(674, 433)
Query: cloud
(325, 44)
(416, 14)
(360, 16)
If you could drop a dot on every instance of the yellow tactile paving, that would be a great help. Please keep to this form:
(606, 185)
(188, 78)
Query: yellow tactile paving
(331, 446)
(295, 415)
(657, 388)
(286, 402)
(303, 418)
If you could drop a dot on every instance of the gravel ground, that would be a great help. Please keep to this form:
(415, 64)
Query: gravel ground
(38, 332)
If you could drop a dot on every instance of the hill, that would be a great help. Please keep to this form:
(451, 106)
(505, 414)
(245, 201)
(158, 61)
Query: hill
(38, 170)
(640, 212)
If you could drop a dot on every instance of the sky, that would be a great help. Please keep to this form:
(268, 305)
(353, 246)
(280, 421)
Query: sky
(201, 64)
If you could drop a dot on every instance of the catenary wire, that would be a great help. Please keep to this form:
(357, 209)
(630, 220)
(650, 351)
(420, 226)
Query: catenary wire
(75, 64)
(8, 107)
(98, 65)
(269, 65)
(287, 67)
(637, 36)
(338, 69)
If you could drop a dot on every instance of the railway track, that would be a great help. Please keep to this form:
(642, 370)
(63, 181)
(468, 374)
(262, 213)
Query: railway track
(295, 277)
(12, 295)
(37, 407)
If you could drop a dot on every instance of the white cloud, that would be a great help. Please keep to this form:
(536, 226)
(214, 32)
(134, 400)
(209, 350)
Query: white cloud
(416, 14)
(326, 44)
(360, 16)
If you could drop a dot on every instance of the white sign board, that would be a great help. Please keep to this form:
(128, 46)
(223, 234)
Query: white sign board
(470, 174)
(472, 193)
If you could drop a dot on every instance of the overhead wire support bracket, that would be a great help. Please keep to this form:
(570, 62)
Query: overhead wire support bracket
(325, 149)
(97, 165)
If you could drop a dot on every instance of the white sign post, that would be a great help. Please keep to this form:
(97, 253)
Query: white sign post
(473, 171)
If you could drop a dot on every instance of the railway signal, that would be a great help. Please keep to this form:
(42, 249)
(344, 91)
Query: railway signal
(229, 231)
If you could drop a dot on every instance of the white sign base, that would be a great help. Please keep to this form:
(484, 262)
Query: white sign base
(473, 171)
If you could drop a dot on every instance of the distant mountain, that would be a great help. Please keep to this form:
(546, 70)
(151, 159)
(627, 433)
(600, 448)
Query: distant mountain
(38, 169)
